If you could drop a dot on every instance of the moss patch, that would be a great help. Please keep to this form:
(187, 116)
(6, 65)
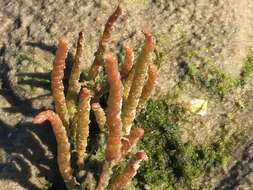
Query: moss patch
(247, 69)
(216, 81)
(173, 164)
(211, 78)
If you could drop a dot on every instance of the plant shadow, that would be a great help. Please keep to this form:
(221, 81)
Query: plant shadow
(27, 152)
(239, 171)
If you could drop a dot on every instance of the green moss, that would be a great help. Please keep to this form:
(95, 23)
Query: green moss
(212, 78)
(159, 57)
(161, 54)
(247, 69)
(172, 164)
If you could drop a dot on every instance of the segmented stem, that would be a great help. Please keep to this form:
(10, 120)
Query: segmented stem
(98, 61)
(99, 115)
(129, 141)
(128, 84)
(56, 84)
(129, 109)
(82, 131)
(105, 175)
(63, 146)
(113, 120)
(149, 86)
(128, 61)
(74, 86)
(121, 181)
(114, 104)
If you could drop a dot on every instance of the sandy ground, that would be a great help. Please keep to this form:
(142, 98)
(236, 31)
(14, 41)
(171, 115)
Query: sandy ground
(221, 30)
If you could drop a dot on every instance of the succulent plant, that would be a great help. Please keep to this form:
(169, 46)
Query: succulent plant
(128, 89)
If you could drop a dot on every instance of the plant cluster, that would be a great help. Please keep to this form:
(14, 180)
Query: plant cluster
(126, 89)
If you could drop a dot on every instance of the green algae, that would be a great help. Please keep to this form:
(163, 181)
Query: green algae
(173, 164)
(214, 80)
(247, 69)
